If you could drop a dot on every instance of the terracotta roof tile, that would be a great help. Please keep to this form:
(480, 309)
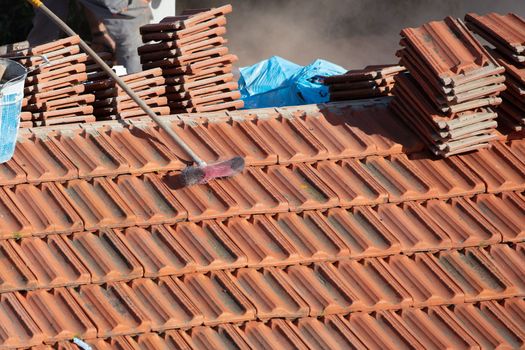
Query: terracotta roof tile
(58, 315)
(158, 250)
(218, 297)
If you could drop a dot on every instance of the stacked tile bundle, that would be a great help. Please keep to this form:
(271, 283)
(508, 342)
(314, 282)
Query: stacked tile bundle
(453, 84)
(114, 103)
(195, 63)
(369, 82)
(54, 92)
(507, 34)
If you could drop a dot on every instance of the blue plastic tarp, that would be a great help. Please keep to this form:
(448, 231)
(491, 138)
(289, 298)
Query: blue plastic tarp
(277, 82)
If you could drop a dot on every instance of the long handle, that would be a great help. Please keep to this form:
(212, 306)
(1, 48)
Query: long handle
(120, 82)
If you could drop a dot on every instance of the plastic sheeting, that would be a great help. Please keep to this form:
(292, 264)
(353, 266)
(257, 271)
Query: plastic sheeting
(277, 82)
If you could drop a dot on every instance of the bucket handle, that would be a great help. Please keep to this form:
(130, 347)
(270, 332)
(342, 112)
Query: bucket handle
(44, 57)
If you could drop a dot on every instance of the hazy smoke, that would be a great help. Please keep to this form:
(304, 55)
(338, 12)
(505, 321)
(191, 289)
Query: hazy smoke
(351, 33)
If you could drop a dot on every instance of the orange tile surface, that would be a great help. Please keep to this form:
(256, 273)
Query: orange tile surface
(336, 235)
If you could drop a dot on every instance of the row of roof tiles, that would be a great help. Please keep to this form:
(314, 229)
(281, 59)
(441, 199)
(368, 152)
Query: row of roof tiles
(110, 148)
(153, 198)
(465, 326)
(109, 256)
(260, 240)
(320, 289)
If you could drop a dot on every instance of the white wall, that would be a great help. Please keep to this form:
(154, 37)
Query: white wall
(162, 8)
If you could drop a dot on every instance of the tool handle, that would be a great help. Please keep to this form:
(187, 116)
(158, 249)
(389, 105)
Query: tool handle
(161, 123)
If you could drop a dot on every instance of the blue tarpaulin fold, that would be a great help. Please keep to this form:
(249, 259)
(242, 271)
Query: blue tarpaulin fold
(277, 82)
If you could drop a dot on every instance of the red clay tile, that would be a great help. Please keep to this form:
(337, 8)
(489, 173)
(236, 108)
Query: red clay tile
(311, 236)
(224, 336)
(510, 261)
(323, 289)
(361, 229)
(352, 184)
(450, 176)
(207, 245)
(58, 315)
(42, 160)
(149, 199)
(476, 274)
(381, 331)
(91, 154)
(506, 212)
(337, 133)
(13, 223)
(515, 309)
(381, 135)
(327, 333)
(218, 298)
(18, 328)
(261, 240)
(45, 207)
(148, 341)
(143, 147)
(302, 187)
(463, 223)
(413, 227)
(271, 293)
(498, 167)
(98, 203)
(203, 202)
(11, 173)
(113, 309)
(105, 256)
(174, 340)
(52, 261)
(290, 140)
(402, 180)
(505, 32)
(253, 191)
(157, 250)
(489, 324)
(199, 139)
(423, 278)
(166, 303)
(450, 51)
(276, 334)
(373, 285)
(242, 138)
(435, 328)
(14, 273)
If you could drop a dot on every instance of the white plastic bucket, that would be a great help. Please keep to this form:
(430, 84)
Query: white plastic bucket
(11, 95)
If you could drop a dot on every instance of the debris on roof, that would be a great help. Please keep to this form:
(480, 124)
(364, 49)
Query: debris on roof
(194, 60)
(369, 82)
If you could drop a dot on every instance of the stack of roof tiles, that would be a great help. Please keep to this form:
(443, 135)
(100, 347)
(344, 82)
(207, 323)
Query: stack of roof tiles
(54, 93)
(342, 232)
(507, 34)
(372, 81)
(195, 63)
(114, 103)
(453, 84)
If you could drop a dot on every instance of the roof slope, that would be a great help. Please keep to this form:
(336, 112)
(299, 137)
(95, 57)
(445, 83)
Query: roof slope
(340, 233)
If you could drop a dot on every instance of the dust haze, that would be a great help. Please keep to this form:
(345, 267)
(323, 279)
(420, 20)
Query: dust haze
(351, 33)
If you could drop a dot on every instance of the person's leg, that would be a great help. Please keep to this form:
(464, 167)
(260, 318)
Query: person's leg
(44, 30)
(123, 27)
